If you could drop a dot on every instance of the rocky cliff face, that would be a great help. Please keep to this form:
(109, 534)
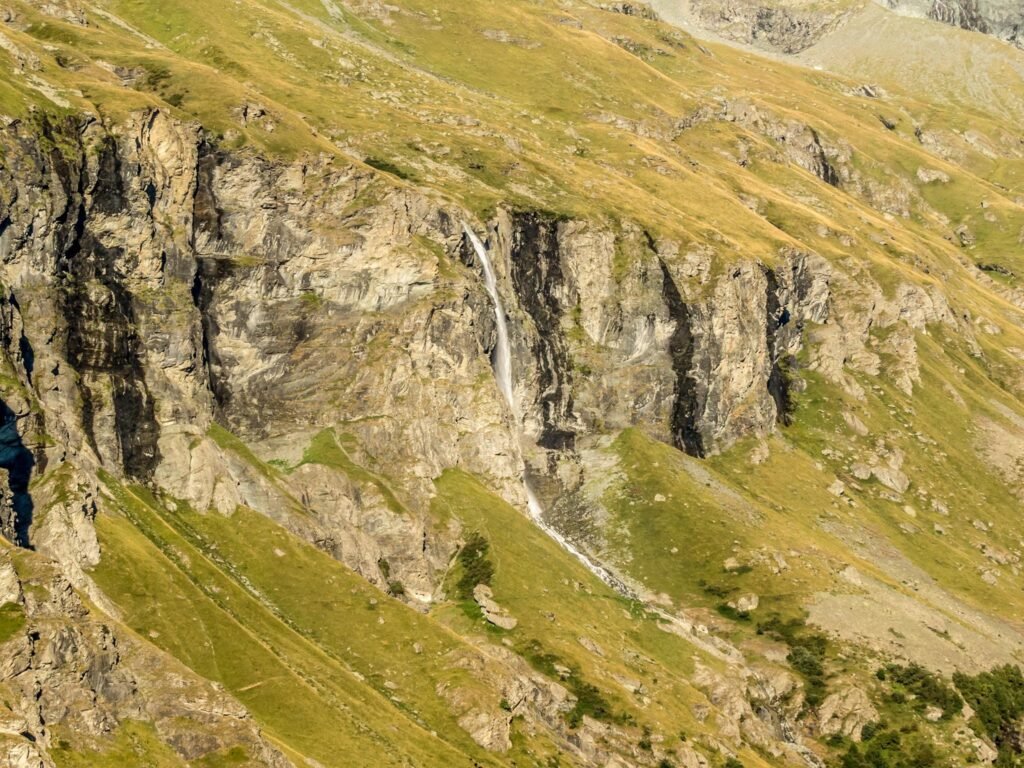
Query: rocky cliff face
(188, 286)
(163, 292)
(165, 287)
(786, 27)
(1001, 18)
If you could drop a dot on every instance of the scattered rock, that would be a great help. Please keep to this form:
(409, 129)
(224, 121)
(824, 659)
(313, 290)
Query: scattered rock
(760, 454)
(845, 713)
(492, 612)
(642, 10)
(931, 176)
(854, 423)
(745, 603)
(965, 236)
(591, 646)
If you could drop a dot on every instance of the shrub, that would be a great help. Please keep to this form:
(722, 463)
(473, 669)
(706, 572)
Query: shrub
(883, 748)
(476, 567)
(387, 167)
(589, 699)
(869, 730)
(997, 698)
(716, 590)
(645, 740)
(807, 651)
(927, 687)
(729, 612)
(156, 75)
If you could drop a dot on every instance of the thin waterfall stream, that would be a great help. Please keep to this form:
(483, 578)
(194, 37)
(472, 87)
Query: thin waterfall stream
(501, 362)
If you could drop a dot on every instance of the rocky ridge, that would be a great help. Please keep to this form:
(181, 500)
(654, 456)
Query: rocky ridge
(1004, 20)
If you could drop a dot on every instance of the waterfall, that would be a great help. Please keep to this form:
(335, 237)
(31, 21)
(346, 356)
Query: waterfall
(501, 360)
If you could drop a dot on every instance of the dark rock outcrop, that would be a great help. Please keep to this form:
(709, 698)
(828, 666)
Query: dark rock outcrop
(537, 279)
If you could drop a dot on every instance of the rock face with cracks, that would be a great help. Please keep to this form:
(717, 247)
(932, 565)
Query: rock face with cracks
(1001, 18)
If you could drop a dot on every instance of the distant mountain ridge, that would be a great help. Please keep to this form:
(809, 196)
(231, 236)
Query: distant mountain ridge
(1001, 18)
(793, 26)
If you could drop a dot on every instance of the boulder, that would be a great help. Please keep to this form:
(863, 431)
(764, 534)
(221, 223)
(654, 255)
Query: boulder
(845, 713)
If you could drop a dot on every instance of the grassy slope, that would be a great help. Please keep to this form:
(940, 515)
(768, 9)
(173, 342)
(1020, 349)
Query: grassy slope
(535, 104)
(558, 602)
(329, 666)
(675, 520)
(212, 592)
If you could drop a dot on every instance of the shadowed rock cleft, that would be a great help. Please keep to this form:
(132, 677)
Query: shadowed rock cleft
(538, 281)
(685, 433)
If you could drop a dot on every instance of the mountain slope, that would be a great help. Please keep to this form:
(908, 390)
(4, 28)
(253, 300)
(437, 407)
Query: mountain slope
(766, 344)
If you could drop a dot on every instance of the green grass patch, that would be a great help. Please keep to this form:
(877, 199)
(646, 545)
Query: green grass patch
(12, 621)
(327, 448)
(296, 637)
(132, 743)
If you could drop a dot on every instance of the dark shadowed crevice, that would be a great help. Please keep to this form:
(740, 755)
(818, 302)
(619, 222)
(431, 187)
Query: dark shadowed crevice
(826, 172)
(25, 350)
(28, 356)
(685, 434)
(108, 191)
(102, 340)
(206, 216)
(18, 461)
(135, 421)
(209, 272)
(88, 417)
(537, 279)
(778, 377)
(99, 317)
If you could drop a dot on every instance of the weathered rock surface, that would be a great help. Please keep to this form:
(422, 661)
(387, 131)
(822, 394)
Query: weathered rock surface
(1001, 18)
(786, 26)
(846, 712)
(493, 612)
(304, 340)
